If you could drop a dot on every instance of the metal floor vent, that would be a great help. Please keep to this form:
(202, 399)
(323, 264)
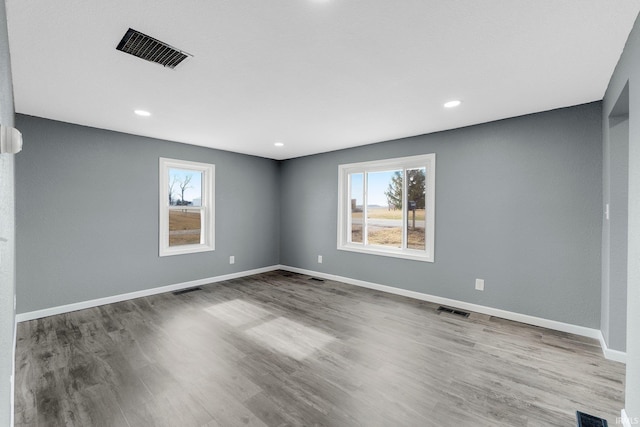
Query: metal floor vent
(443, 309)
(186, 291)
(586, 420)
(150, 49)
(316, 279)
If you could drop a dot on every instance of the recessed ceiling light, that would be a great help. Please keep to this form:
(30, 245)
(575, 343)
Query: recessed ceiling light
(142, 113)
(452, 104)
(279, 144)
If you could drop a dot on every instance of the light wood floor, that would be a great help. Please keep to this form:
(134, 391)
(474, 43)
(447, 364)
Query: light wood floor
(278, 349)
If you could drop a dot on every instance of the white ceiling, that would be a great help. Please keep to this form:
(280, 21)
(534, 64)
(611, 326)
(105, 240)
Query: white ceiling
(318, 75)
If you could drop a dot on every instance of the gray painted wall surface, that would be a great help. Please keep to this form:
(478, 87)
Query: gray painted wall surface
(628, 70)
(518, 203)
(87, 214)
(7, 231)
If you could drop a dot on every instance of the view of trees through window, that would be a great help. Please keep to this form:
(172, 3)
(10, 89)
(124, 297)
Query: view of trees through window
(385, 194)
(185, 201)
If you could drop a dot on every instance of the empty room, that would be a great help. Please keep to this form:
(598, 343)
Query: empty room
(319, 213)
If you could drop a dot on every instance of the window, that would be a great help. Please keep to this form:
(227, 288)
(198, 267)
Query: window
(387, 207)
(186, 207)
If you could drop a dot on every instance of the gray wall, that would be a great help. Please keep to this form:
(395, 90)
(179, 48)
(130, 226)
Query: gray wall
(518, 203)
(7, 231)
(87, 223)
(628, 72)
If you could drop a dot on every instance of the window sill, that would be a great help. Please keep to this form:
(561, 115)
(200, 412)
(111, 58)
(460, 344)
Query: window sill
(185, 249)
(388, 252)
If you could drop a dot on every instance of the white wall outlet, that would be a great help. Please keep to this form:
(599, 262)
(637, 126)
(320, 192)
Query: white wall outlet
(319, 259)
(232, 259)
(480, 284)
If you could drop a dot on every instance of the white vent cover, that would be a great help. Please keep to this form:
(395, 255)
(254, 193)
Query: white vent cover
(10, 140)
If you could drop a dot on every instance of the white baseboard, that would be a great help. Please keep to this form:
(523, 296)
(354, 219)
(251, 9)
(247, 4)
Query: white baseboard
(22, 317)
(509, 315)
(615, 355)
(624, 418)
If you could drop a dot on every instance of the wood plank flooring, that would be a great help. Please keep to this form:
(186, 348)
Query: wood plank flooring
(278, 349)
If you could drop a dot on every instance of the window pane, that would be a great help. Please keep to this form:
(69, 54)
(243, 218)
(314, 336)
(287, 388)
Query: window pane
(357, 198)
(416, 209)
(185, 187)
(186, 216)
(395, 215)
(185, 227)
(384, 208)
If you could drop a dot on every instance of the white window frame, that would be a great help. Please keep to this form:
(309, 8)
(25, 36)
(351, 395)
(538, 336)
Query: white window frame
(427, 161)
(207, 208)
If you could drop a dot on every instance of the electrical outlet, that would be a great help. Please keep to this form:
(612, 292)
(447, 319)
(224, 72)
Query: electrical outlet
(319, 259)
(232, 259)
(480, 284)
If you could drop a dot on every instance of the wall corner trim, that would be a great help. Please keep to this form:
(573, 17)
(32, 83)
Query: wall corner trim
(614, 355)
(37, 314)
(12, 415)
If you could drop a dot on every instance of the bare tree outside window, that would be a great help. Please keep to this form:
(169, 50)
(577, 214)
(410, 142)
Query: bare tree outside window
(172, 185)
(184, 185)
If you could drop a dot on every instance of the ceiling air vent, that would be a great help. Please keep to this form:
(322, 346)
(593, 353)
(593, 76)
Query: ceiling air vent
(150, 49)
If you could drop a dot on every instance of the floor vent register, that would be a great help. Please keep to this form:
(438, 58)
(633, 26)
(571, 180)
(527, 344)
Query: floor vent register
(586, 420)
(443, 309)
(186, 291)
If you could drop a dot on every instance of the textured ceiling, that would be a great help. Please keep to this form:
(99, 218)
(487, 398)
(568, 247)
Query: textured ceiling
(317, 75)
